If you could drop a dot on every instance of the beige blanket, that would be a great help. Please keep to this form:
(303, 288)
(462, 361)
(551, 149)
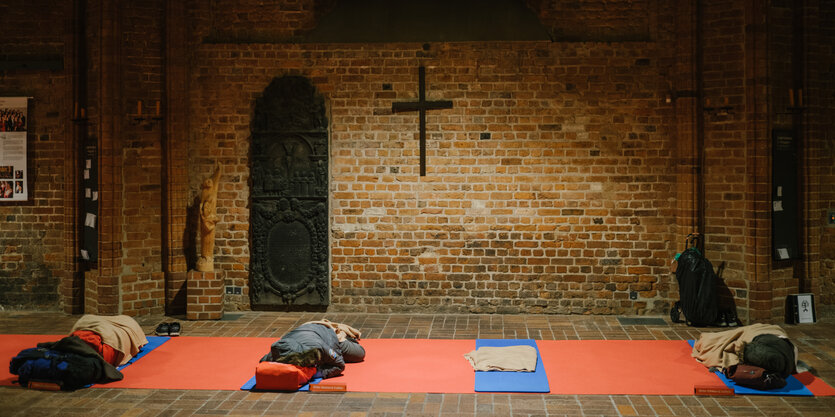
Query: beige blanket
(520, 358)
(122, 333)
(724, 349)
(343, 331)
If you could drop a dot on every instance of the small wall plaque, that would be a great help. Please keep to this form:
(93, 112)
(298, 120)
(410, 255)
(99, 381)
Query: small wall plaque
(800, 308)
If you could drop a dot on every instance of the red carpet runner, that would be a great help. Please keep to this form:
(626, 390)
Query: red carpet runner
(574, 367)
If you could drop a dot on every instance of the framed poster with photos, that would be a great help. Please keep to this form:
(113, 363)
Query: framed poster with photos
(13, 127)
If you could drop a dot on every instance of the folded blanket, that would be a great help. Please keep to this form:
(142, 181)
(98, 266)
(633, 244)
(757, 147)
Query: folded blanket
(520, 358)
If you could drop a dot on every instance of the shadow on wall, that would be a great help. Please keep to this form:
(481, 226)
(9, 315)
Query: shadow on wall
(192, 228)
(727, 303)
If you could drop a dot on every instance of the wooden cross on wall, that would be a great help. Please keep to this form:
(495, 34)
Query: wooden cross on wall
(422, 105)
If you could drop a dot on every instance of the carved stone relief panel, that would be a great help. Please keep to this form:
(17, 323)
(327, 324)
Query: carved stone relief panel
(289, 264)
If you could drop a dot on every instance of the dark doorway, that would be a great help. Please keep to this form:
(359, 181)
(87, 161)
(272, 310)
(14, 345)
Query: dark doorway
(289, 211)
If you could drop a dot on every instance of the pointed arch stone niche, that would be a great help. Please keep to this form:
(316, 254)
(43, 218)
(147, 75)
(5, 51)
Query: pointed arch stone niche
(289, 210)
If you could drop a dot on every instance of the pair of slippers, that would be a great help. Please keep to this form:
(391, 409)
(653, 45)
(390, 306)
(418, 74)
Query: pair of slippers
(168, 329)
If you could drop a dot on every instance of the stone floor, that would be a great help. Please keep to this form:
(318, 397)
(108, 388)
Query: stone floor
(816, 343)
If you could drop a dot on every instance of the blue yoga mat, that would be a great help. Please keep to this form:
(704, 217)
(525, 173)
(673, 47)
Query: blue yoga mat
(498, 381)
(153, 343)
(793, 386)
(250, 385)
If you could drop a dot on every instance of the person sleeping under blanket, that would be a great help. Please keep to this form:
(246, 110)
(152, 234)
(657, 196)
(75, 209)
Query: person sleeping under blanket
(763, 345)
(90, 354)
(116, 338)
(317, 349)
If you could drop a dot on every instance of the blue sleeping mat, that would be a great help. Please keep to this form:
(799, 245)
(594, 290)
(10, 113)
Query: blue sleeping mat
(153, 343)
(499, 381)
(250, 385)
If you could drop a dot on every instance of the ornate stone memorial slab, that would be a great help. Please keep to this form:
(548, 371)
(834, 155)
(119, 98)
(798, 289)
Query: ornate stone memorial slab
(289, 264)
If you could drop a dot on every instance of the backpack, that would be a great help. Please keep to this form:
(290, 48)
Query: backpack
(69, 370)
(697, 287)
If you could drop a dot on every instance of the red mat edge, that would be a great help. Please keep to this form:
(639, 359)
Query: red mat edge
(817, 386)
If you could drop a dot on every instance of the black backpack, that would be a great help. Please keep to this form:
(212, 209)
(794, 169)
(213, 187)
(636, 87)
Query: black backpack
(697, 287)
(69, 370)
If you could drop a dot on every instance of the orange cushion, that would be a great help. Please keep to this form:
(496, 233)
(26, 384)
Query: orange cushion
(281, 376)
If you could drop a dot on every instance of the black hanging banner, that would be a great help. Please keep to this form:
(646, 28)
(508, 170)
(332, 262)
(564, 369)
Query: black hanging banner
(90, 205)
(784, 206)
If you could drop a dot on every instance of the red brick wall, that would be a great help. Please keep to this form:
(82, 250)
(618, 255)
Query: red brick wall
(368, 201)
(598, 20)
(35, 267)
(582, 193)
(256, 20)
(142, 279)
(738, 53)
(106, 115)
(820, 41)
(726, 165)
(784, 276)
(566, 208)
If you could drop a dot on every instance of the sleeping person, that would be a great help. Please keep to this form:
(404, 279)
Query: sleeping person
(116, 338)
(316, 349)
(325, 345)
(763, 345)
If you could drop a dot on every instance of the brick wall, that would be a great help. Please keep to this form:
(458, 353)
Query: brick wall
(142, 280)
(106, 115)
(786, 277)
(35, 268)
(727, 157)
(820, 40)
(380, 264)
(259, 21)
(596, 20)
(567, 207)
(564, 177)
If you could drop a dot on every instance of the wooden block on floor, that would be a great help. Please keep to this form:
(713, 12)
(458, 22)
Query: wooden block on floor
(721, 390)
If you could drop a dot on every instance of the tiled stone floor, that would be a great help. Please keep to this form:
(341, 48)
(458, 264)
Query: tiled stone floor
(816, 343)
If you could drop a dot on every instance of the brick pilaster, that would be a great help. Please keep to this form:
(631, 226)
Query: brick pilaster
(175, 152)
(104, 113)
(205, 296)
